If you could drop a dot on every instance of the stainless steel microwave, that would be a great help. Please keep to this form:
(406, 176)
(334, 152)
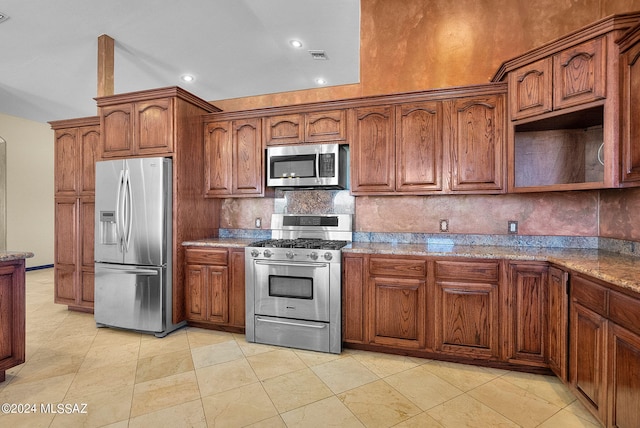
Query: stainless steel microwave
(308, 165)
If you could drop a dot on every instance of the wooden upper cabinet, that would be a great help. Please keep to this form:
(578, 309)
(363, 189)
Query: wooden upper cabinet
(315, 127)
(233, 158)
(579, 74)
(372, 150)
(91, 151)
(139, 128)
(284, 129)
(325, 126)
(531, 89)
(418, 141)
(116, 123)
(477, 144)
(630, 107)
(218, 149)
(153, 126)
(247, 157)
(66, 154)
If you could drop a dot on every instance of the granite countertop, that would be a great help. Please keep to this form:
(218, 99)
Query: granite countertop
(220, 242)
(617, 269)
(6, 256)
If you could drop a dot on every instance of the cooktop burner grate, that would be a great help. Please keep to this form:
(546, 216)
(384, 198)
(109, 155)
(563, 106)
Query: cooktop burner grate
(310, 243)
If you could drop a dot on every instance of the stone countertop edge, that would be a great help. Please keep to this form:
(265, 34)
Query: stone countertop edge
(220, 242)
(617, 269)
(6, 256)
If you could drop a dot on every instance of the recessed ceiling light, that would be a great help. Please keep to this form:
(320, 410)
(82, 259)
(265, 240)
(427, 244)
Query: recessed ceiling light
(3, 17)
(187, 78)
(296, 43)
(321, 81)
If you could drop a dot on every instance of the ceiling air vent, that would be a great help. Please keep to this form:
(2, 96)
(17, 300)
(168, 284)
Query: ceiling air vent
(3, 17)
(319, 55)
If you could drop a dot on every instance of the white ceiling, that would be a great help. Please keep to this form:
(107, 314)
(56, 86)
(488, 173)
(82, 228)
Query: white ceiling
(234, 48)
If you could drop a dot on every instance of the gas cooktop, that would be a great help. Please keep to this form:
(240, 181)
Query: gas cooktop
(311, 243)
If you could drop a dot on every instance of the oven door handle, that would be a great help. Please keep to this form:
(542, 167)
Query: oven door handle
(291, 264)
(295, 324)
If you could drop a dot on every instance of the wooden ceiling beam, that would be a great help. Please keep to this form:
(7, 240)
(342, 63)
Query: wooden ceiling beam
(105, 65)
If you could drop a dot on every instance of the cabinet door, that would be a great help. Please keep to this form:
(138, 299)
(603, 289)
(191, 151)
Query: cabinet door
(325, 126)
(86, 230)
(530, 89)
(153, 128)
(467, 308)
(353, 298)
(284, 129)
(528, 315)
(630, 120)
(418, 147)
(65, 250)
(66, 157)
(236, 288)
(116, 123)
(195, 292)
(397, 312)
(587, 358)
(91, 150)
(624, 377)
(477, 144)
(558, 322)
(216, 294)
(247, 157)
(12, 313)
(372, 150)
(579, 74)
(218, 155)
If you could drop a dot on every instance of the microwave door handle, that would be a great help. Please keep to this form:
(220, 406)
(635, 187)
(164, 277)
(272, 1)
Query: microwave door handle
(317, 167)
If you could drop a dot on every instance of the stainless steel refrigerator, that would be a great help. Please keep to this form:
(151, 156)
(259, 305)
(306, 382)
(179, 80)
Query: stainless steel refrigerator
(133, 245)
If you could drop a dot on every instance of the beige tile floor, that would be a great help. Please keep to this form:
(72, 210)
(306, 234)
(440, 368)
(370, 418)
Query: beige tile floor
(200, 378)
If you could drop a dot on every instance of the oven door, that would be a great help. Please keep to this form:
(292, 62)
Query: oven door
(297, 290)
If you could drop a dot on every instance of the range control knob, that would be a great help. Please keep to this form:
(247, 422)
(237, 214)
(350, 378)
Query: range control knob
(268, 253)
(255, 253)
(313, 255)
(328, 256)
(290, 254)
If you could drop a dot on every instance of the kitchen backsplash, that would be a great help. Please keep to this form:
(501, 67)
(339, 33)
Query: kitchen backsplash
(607, 219)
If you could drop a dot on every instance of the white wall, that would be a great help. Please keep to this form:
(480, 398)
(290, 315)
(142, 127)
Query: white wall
(29, 161)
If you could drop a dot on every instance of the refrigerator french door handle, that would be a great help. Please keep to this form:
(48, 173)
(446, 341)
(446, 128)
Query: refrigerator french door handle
(128, 207)
(135, 271)
(119, 212)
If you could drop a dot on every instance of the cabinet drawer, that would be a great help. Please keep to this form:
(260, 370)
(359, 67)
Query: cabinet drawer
(625, 311)
(470, 271)
(398, 267)
(589, 294)
(207, 257)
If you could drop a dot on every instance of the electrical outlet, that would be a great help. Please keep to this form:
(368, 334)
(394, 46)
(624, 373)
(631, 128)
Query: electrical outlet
(444, 225)
(512, 227)
(258, 223)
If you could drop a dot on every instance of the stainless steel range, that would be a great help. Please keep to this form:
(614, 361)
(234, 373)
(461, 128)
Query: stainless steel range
(293, 282)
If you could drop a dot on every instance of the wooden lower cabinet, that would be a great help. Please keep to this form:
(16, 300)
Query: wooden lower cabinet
(587, 358)
(526, 317)
(557, 315)
(398, 311)
(12, 314)
(623, 377)
(215, 288)
(467, 308)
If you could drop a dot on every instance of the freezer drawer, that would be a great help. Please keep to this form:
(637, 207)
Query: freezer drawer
(130, 297)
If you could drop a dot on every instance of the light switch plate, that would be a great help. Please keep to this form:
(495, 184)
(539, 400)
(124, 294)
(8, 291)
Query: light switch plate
(512, 227)
(444, 225)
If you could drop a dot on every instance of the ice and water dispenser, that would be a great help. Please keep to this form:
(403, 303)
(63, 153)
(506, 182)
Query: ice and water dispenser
(108, 230)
